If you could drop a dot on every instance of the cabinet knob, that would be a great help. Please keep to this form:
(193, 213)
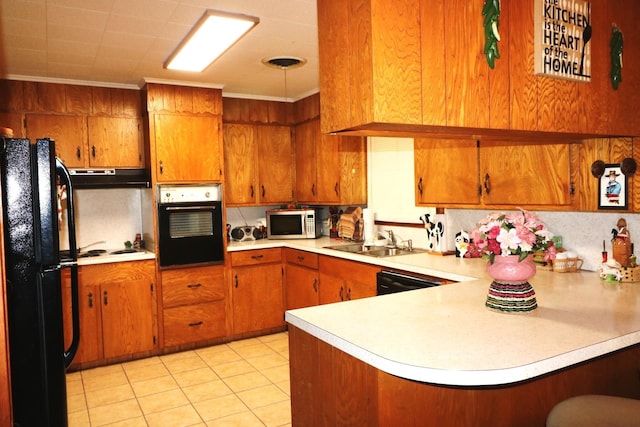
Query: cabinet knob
(313, 189)
(420, 187)
(161, 167)
(194, 285)
(251, 190)
(236, 278)
(78, 153)
(105, 298)
(90, 299)
(93, 151)
(336, 188)
(257, 257)
(193, 324)
(263, 191)
(341, 293)
(315, 285)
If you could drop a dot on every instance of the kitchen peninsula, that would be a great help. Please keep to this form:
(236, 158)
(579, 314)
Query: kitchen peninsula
(438, 357)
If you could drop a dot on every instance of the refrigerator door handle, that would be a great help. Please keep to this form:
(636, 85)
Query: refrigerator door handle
(65, 179)
(70, 352)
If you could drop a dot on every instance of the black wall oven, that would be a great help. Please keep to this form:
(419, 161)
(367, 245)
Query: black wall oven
(190, 227)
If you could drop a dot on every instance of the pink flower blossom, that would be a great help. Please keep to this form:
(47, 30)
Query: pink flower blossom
(516, 233)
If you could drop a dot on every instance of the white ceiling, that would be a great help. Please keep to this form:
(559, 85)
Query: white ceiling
(123, 42)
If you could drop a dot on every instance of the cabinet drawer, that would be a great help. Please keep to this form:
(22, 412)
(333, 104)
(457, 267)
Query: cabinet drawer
(305, 259)
(256, 256)
(192, 323)
(192, 285)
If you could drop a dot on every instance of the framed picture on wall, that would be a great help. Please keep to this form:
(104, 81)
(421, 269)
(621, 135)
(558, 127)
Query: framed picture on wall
(612, 191)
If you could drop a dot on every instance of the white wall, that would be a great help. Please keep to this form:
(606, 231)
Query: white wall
(391, 196)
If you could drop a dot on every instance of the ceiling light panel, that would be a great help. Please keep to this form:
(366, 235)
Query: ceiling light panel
(212, 35)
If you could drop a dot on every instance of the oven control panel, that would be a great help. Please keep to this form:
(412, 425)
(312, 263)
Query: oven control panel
(168, 194)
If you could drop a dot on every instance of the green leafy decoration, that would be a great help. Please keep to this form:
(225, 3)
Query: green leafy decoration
(616, 57)
(491, 13)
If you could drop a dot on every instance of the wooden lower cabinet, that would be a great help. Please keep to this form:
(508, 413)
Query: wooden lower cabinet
(343, 280)
(257, 290)
(301, 279)
(193, 304)
(117, 306)
(330, 387)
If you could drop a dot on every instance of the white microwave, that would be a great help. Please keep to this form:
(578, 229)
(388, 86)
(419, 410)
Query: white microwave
(294, 224)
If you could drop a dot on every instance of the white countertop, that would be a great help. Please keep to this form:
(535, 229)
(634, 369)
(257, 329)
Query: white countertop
(445, 335)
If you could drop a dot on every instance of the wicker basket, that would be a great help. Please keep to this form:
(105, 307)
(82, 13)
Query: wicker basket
(630, 274)
(567, 265)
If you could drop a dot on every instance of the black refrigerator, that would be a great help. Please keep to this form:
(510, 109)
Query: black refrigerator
(30, 175)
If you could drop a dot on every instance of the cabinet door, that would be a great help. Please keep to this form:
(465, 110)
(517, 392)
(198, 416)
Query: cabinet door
(301, 287)
(69, 133)
(90, 345)
(14, 122)
(535, 174)
(257, 298)
(240, 159)
(306, 139)
(275, 160)
(446, 172)
(331, 289)
(353, 170)
(328, 169)
(115, 142)
(188, 148)
(127, 317)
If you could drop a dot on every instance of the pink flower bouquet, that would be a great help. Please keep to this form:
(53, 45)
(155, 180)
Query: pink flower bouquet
(515, 233)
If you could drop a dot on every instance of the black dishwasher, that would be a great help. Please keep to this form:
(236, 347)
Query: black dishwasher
(390, 282)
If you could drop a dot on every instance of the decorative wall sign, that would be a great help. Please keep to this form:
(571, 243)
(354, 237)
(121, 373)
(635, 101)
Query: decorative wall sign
(612, 191)
(562, 35)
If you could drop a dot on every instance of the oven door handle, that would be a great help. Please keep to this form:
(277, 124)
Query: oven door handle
(190, 208)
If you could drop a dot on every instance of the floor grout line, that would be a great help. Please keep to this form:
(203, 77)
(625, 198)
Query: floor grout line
(177, 367)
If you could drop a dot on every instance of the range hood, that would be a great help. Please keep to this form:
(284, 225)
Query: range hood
(109, 178)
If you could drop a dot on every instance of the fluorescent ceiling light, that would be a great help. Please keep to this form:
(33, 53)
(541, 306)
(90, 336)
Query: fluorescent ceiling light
(214, 33)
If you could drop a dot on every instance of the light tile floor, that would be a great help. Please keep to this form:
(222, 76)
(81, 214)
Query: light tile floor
(241, 383)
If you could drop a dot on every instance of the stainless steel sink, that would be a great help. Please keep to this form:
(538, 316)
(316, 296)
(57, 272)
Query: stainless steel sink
(374, 251)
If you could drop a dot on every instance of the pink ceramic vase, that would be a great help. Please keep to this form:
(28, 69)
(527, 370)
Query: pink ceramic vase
(510, 290)
(507, 269)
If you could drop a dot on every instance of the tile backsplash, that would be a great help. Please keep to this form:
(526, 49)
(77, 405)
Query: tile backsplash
(113, 215)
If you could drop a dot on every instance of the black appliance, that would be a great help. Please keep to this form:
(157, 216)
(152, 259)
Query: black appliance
(190, 229)
(110, 178)
(38, 359)
(390, 282)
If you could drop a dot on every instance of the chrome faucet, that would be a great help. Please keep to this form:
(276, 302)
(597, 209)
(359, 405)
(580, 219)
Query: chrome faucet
(392, 238)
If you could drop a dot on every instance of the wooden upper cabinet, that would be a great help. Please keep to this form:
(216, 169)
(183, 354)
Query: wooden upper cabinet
(187, 148)
(467, 72)
(115, 141)
(446, 172)
(13, 121)
(275, 164)
(330, 169)
(493, 174)
(259, 164)
(403, 67)
(69, 133)
(370, 65)
(240, 164)
(531, 174)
